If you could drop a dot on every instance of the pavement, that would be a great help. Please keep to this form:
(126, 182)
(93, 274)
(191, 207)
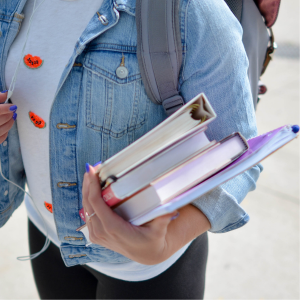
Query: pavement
(259, 260)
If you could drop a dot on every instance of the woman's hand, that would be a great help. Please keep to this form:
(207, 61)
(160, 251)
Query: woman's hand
(148, 244)
(7, 117)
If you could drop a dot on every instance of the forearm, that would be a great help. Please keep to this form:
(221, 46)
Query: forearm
(221, 74)
(190, 224)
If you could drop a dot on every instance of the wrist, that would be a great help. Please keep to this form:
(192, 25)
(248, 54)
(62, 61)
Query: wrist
(190, 224)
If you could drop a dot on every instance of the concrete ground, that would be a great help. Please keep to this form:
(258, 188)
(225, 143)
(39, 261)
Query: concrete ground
(261, 259)
(258, 261)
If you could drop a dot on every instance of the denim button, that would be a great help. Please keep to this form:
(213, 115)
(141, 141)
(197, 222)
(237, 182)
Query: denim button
(122, 72)
(65, 126)
(76, 255)
(102, 19)
(66, 184)
(73, 238)
(4, 143)
(6, 193)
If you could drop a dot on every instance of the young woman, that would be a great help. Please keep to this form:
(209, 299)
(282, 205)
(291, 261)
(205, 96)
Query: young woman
(69, 107)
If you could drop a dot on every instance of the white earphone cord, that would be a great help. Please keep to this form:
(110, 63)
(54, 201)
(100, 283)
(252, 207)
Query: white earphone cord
(14, 78)
(47, 242)
(9, 94)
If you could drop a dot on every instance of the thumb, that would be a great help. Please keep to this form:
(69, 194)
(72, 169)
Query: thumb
(3, 96)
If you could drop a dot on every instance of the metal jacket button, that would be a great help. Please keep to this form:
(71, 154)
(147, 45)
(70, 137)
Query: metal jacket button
(102, 19)
(122, 72)
(65, 184)
(76, 255)
(73, 238)
(65, 126)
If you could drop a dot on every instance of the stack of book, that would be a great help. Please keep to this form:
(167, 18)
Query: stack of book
(175, 163)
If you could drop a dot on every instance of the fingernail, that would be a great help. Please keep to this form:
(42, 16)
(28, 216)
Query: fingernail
(15, 116)
(87, 167)
(13, 108)
(4, 92)
(98, 163)
(175, 217)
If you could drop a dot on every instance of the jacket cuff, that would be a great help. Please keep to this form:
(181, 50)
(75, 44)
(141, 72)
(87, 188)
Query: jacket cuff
(222, 210)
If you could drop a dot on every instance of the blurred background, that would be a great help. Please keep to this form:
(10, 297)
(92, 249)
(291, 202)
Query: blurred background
(259, 260)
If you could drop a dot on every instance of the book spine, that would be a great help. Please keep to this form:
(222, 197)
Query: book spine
(109, 196)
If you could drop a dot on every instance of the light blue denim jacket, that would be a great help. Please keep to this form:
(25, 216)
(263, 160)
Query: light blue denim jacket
(106, 113)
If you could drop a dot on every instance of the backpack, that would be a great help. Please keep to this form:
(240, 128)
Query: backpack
(159, 49)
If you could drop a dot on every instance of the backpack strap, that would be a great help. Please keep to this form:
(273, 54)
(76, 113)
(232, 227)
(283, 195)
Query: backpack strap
(159, 51)
(236, 7)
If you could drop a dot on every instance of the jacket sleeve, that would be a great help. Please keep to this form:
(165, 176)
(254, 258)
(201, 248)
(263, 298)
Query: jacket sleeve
(215, 62)
(12, 168)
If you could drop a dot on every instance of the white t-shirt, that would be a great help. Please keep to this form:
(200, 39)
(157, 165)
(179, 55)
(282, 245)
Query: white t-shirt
(54, 24)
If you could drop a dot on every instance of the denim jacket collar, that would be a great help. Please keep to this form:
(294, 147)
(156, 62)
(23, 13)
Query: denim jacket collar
(9, 8)
(96, 26)
(126, 5)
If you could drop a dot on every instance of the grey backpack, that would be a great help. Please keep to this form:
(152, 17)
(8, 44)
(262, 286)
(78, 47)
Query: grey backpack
(159, 49)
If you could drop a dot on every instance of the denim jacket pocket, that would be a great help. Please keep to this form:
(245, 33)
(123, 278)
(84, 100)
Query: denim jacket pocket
(113, 105)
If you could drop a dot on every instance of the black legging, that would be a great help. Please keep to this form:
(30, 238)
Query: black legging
(183, 280)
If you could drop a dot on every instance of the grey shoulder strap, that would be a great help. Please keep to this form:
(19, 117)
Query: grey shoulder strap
(159, 51)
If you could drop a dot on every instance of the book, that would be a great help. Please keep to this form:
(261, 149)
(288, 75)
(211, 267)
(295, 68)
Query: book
(190, 118)
(166, 160)
(183, 177)
(260, 147)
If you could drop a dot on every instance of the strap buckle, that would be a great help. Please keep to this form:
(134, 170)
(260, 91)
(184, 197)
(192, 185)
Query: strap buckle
(271, 49)
(172, 104)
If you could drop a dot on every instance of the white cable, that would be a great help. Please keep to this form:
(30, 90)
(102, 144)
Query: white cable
(10, 92)
(47, 242)
(14, 78)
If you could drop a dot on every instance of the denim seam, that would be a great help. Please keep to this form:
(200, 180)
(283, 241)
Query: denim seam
(112, 76)
(112, 133)
(235, 225)
(184, 24)
(118, 47)
(76, 161)
(3, 212)
(4, 19)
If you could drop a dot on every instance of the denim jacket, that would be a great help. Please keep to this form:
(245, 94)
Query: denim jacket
(107, 113)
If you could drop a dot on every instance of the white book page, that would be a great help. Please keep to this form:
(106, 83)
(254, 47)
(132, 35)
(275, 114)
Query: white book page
(177, 125)
(160, 164)
(198, 168)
